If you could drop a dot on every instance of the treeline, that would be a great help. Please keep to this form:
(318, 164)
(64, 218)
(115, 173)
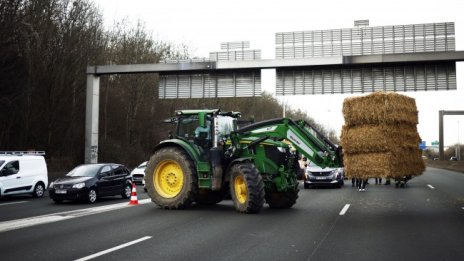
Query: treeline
(451, 151)
(45, 48)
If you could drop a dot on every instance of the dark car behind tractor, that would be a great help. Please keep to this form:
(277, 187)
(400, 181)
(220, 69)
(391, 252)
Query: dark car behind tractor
(89, 182)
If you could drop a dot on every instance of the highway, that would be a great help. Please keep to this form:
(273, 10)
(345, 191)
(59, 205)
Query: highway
(424, 221)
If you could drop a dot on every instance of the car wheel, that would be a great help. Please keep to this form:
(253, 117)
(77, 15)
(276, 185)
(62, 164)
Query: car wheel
(306, 186)
(92, 196)
(126, 193)
(39, 190)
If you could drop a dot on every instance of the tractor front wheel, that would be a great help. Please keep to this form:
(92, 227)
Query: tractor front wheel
(246, 188)
(171, 179)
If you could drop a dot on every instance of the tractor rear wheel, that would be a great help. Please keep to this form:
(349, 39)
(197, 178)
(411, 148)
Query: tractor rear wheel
(171, 178)
(284, 199)
(246, 188)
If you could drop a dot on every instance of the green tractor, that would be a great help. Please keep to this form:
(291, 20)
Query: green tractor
(209, 158)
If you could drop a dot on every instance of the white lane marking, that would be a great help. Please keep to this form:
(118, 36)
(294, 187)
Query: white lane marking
(344, 209)
(28, 222)
(430, 186)
(113, 249)
(44, 219)
(11, 203)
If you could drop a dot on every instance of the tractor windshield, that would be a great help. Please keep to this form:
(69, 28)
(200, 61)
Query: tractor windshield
(186, 127)
(189, 128)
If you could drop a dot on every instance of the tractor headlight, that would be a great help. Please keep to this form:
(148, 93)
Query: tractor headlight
(79, 185)
(281, 149)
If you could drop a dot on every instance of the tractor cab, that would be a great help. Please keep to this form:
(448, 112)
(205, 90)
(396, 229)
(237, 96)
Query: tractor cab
(205, 128)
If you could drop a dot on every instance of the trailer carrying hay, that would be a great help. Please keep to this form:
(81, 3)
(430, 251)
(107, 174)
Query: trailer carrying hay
(380, 138)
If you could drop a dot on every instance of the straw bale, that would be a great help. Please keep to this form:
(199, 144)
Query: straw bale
(378, 138)
(384, 164)
(378, 108)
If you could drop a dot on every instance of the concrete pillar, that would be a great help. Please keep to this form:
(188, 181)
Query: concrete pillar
(440, 134)
(91, 118)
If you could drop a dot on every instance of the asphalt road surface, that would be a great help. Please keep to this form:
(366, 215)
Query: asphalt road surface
(424, 221)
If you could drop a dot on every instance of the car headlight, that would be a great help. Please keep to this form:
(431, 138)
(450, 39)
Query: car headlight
(335, 173)
(51, 185)
(79, 185)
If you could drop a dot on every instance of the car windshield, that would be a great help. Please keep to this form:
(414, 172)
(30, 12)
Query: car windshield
(312, 164)
(84, 171)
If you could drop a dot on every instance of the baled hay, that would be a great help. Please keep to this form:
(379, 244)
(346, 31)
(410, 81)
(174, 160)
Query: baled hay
(378, 138)
(378, 108)
(384, 164)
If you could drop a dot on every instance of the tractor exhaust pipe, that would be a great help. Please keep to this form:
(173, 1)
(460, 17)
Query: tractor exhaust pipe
(216, 165)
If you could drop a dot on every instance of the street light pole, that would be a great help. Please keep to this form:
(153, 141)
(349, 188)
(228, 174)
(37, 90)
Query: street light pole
(458, 147)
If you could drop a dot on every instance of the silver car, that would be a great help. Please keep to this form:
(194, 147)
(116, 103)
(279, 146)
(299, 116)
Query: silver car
(317, 176)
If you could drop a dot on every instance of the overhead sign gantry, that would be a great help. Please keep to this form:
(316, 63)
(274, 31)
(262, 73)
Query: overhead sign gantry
(418, 57)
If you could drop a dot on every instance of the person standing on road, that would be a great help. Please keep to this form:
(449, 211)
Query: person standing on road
(303, 165)
(387, 181)
(362, 184)
(378, 181)
(355, 182)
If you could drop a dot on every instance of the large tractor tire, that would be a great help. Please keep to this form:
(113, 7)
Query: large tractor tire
(284, 199)
(246, 188)
(171, 179)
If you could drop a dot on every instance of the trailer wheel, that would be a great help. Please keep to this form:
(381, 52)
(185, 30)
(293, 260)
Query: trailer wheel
(171, 179)
(246, 188)
(284, 199)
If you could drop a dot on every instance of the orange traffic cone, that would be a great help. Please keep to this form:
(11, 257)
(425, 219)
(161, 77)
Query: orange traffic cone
(133, 199)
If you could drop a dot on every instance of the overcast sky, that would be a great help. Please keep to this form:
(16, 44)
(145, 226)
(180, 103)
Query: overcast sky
(204, 24)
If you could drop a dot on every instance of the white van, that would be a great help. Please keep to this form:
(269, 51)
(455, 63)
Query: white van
(23, 173)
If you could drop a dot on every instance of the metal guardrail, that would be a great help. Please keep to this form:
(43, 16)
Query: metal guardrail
(193, 60)
(20, 153)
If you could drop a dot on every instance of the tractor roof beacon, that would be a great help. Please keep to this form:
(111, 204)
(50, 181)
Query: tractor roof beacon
(209, 157)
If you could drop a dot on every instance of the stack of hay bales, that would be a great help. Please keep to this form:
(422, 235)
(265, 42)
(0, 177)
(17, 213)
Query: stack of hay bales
(380, 138)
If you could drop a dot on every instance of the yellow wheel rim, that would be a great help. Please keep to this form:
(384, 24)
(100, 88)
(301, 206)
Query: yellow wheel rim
(168, 178)
(240, 189)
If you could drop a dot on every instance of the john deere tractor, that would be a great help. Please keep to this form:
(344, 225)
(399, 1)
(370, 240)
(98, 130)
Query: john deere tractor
(209, 157)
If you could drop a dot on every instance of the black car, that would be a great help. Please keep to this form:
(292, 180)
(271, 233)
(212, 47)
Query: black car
(88, 182)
